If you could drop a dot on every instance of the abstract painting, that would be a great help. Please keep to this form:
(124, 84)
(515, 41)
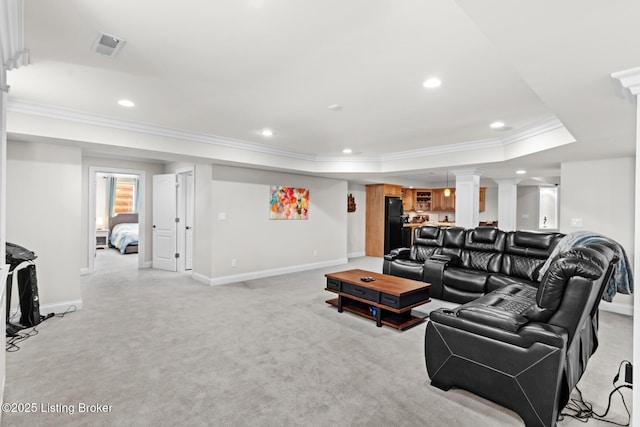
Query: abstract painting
(289, 203)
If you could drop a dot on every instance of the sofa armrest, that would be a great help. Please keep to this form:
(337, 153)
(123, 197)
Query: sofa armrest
(399, 253)
(526, 334)
(449, 260)
(434, 270)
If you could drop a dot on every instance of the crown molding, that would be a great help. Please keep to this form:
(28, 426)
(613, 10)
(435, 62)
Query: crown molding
(539, 128)
(12, 54)
(66, 114)
(627, 82)
(76, 116)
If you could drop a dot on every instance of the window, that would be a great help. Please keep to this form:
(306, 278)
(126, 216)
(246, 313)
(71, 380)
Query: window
(125, 195)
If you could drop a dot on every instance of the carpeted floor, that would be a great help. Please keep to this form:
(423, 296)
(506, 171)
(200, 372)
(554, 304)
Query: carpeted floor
(157, 348)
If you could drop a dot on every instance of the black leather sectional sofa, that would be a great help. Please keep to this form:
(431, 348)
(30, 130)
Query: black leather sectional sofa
(463, 265)
(518, 339)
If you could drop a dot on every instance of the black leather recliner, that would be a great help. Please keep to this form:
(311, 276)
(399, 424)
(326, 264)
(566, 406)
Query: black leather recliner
(524, 346)
(409, 262)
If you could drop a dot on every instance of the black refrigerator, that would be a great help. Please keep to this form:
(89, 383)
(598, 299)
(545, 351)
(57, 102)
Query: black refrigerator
(392, 223)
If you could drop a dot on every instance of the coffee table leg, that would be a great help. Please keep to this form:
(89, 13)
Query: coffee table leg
(379, 317)
(339, 303)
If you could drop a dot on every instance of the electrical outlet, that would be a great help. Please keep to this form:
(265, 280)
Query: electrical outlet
(628, 373)
(576, 222)
(233, 262)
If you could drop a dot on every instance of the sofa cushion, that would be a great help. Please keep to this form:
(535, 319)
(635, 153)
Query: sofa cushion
(466, 280)
(497, 310)
(520, 266)
(484, 234)
(554, 282)
(499, 281)
(534, 240)
(406, 268)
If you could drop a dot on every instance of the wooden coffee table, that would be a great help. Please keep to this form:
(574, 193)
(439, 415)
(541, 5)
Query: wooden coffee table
(387, 299)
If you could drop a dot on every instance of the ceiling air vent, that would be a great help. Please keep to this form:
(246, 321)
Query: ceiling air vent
(106, 44)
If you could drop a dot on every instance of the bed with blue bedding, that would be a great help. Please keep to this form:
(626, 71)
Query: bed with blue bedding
(123, 232)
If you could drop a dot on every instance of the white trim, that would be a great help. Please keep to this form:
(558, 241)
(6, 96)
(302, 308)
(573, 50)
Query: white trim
(54, 112)
(201, 278)
(628, 83)
(84, 271)
(355, 255)
(57, 308)
(223, 280)
(60, 307)
(614, 307)
(49, 111)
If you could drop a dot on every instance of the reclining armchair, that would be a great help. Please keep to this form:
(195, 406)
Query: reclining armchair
(524, 346)
(409, 262)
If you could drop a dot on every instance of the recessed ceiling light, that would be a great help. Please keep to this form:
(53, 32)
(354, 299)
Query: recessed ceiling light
(521, 172)
(432, 83)
(496, 125)
(126, 103)
(335, 107)
(266, 132)
(347, 151)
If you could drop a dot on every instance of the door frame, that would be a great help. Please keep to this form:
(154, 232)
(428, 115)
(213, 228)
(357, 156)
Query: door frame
(91, 243)
(181, 204)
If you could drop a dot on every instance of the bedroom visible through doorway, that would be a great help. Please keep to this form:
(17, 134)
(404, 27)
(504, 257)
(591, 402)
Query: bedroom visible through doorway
(116, 219)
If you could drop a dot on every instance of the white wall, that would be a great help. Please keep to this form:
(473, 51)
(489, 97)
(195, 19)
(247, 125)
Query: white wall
(262, 246)
(527, 208)
(490, 205)
(43, 215)
(356, 221)
(601, 193)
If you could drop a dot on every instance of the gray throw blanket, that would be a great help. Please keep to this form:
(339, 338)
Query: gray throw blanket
(622, 279)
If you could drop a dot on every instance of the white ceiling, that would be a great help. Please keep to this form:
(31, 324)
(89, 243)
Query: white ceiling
(229, 68)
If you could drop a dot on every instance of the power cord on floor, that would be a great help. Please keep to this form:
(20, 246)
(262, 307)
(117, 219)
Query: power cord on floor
(12, 341)
(583, 411)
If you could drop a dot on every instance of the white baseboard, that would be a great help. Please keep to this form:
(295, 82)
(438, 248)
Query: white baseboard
(272, 272)
(147, 264)
(355, 255)
(57, 308)
(84, 271)
(615, 307)
(60, 307)
(201, 278)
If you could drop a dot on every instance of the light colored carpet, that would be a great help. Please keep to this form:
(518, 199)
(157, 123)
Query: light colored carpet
(162, 349)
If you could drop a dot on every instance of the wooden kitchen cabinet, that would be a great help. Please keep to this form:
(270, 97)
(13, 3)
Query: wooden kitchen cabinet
(391, 190)
(442, 203)
(483, 191)
(423, 200)
(408, 199)
(374, 216)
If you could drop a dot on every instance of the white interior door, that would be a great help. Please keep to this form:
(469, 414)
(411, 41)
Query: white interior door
(164, 222)
(188, 220)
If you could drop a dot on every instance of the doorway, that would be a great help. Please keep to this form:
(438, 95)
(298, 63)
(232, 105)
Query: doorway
(101, 216)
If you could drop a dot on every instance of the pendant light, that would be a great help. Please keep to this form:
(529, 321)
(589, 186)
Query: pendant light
(447, 191)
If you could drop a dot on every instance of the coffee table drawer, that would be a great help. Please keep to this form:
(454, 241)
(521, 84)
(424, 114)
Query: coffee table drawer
(334, 284)
(360, 292)
(404, 300)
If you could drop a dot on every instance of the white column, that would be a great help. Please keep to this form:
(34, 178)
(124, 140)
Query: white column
(507, 203)
(467, 197)
(629, 84)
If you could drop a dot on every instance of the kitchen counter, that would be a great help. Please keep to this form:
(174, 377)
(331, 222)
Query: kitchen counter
(439, 224)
